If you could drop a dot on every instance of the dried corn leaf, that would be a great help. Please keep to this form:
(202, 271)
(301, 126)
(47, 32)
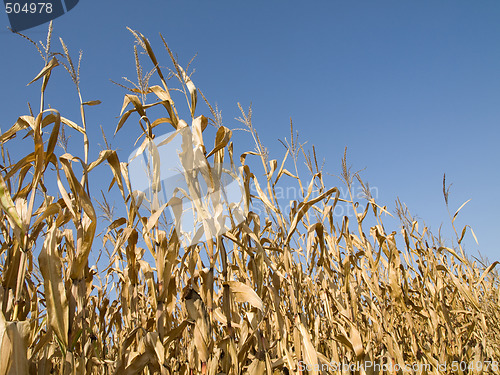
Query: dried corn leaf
(46, 70)
(243, 293)
(55, 293)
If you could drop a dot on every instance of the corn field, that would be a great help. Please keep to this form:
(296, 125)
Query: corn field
(281, 293)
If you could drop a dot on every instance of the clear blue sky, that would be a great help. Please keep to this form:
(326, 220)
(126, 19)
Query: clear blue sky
(412, 88)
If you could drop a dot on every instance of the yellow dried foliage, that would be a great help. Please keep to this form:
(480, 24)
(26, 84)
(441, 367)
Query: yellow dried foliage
(285, 292)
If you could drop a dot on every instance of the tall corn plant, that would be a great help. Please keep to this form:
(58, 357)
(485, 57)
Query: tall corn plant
(285, 292)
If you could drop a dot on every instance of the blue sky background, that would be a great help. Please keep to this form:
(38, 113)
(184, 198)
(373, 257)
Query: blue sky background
(412, 88)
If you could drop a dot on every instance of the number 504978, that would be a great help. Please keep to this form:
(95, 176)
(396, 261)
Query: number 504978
(26, 8)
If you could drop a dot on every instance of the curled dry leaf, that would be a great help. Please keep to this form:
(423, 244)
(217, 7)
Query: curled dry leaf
(244, 294)
(55, 293)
